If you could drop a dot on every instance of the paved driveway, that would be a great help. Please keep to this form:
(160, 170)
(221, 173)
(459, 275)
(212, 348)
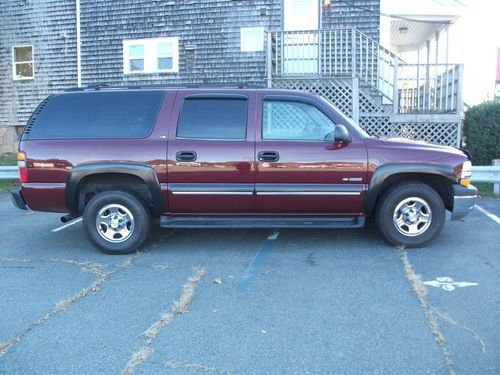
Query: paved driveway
(249, 301)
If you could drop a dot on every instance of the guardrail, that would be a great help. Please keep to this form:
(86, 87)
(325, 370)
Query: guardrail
(488, 174)
(9, 173)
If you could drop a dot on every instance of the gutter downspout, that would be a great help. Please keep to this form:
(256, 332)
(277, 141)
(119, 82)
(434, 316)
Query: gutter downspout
(78, 47)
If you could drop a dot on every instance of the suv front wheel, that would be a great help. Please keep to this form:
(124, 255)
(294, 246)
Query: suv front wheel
(410, 214)
(116, 222)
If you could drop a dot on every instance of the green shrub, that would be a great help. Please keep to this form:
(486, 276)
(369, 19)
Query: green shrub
(8, 159)
(482, 132)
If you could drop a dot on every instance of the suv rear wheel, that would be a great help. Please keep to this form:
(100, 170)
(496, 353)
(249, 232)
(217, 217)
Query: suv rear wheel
(116, 222)
(410, 214)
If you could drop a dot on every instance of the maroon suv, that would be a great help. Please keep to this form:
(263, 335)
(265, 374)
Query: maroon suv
(232, 158)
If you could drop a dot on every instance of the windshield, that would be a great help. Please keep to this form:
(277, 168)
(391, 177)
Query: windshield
(361, 132)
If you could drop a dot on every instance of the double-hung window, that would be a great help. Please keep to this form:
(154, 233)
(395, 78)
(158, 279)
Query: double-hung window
(22, 62)
(155, 55)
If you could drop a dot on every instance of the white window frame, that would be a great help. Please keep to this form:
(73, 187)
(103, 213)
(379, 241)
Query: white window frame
(151, 55)
(14, 62)
(248, 46)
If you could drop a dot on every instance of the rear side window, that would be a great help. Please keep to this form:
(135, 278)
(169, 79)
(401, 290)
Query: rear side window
(213, 118)
(98, 115)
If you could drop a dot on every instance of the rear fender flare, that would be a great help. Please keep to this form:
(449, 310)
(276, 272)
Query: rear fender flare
(142, 171)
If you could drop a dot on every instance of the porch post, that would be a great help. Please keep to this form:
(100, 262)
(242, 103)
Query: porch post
(460, 103)
(353, 52)
(269, 57)
(355, 99)
(395, 87)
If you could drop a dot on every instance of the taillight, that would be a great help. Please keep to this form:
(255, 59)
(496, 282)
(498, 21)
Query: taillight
(23, 169)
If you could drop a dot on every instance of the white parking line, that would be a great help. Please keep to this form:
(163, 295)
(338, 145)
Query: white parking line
(68, 224)
(488, 213)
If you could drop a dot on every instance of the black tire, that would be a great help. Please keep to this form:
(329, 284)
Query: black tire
(402, 195)
(129, 234)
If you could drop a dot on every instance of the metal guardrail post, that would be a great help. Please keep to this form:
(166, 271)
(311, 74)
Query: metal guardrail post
(496, 186)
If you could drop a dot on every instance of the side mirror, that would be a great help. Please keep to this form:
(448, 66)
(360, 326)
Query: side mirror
(341, 135)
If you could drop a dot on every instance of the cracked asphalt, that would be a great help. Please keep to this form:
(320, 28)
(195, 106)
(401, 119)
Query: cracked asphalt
(249, 301)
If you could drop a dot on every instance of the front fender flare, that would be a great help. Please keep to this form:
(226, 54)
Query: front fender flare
(143, 171)
(385, 171)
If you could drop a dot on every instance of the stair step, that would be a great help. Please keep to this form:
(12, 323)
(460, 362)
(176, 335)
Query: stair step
(181, 221)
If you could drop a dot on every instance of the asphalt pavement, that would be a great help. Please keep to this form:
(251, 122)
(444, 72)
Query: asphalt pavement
(249, 301)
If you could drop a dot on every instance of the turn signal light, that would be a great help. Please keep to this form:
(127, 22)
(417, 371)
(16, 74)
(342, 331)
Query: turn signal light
(23, 169)
(466, 173)
(464, 182)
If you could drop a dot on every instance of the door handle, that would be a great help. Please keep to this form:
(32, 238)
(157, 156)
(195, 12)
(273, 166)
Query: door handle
(185, 156)
(268, 156)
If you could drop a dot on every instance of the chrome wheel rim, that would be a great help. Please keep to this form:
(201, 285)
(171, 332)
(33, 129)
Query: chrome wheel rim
(115, 223)
(412, 216)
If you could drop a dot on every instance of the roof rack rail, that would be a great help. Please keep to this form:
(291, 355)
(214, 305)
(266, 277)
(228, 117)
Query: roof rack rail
(99, 86)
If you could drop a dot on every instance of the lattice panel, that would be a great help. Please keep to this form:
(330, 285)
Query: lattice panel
(444, 133)
(336, 91)
(367, 105)
(374, 125)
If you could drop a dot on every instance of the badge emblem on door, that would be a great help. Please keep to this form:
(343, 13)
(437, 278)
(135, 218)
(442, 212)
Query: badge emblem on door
(352, 179)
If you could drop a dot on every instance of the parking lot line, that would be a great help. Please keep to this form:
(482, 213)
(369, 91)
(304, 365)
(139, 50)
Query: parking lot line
(257, 263)
(68, 224)
(493, 217)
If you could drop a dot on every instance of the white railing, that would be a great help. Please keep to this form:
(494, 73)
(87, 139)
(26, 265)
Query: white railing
(331, 53)
(411, 88)
(429, 88)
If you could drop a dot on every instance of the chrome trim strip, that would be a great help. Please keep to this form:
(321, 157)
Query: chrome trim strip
(308, 193)
(212, 192)
(310, 188)
(44, 185)
(264, 189)
(466, 197)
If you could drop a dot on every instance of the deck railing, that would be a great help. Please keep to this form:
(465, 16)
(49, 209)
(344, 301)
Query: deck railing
(411, 88)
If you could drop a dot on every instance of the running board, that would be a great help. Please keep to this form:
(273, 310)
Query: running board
(261, 222)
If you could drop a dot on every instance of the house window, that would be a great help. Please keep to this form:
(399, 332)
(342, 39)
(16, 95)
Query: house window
(252, 39)
(22, 62)
(136, 58)
(155, 55)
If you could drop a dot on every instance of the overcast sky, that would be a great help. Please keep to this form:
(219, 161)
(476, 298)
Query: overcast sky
(474, 38)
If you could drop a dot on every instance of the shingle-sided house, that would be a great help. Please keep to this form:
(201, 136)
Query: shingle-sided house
(327, 46)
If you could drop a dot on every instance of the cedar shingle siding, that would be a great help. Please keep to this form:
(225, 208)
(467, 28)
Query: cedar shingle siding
(212, 27)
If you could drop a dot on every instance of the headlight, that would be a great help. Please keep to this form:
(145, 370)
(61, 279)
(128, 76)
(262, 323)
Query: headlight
(466, 173)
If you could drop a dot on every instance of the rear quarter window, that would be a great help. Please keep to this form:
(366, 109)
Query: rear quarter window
(99, 115)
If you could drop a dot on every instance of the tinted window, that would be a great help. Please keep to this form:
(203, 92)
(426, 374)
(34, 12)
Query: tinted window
(294, 121)
(213, 118)
(99, 115)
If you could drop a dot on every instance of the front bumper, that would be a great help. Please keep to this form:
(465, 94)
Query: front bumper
(17, 199)
(464, 199)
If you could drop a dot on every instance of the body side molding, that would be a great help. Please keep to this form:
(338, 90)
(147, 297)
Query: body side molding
(142, 171)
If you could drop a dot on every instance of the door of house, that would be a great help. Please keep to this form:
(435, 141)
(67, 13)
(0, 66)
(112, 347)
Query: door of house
(301, 37)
